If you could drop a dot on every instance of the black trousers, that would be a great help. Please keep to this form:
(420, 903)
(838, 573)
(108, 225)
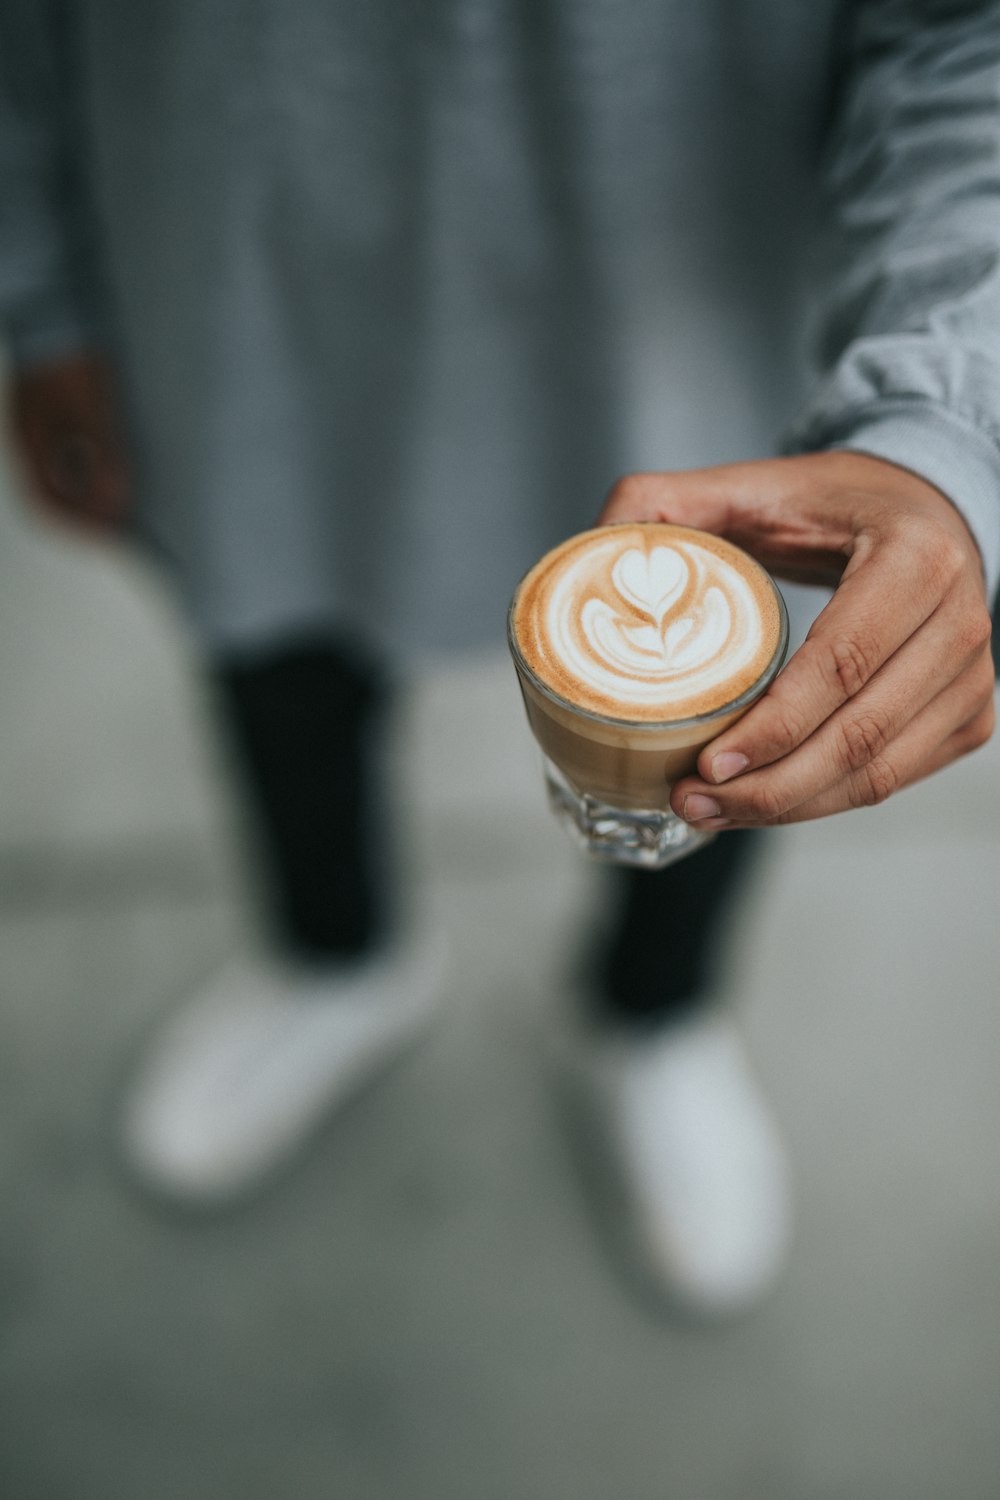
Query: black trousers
(305, 721)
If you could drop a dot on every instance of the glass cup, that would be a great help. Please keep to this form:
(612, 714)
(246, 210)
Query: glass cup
(609, 779)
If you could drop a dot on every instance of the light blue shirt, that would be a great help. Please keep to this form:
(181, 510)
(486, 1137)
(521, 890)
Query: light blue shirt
(398, 290)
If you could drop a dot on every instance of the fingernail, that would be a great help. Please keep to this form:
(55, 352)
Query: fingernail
(696, 806)
(728, 763)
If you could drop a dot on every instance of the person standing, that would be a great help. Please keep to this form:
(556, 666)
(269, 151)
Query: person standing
(347, 312)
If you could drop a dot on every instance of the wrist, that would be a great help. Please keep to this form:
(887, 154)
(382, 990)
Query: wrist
(956, 452)
(913, 493)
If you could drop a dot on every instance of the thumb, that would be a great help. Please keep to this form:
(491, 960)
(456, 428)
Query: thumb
(797, 516)
(703, 498)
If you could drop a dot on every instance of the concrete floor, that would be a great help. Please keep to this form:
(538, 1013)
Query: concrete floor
(422, 1307)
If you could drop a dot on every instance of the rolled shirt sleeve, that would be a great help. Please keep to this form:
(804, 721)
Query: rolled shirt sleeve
(49, 294)
(909, 291)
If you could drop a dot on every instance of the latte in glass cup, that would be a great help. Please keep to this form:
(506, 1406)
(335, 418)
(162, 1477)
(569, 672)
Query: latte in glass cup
(635, 645)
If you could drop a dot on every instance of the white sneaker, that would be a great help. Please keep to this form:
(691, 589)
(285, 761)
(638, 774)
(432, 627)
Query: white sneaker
(698, 1173)
(259, 1058)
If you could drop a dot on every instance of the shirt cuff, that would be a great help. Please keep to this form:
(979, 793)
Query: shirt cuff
(957, 458)
(62, 330)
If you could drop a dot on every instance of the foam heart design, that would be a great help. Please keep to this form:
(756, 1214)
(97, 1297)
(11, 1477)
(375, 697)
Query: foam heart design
(651, 581)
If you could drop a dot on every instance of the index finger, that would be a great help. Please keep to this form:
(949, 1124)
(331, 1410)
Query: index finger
(885, 596)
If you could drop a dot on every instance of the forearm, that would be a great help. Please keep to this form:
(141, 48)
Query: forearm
(50, 304)
(909, 295)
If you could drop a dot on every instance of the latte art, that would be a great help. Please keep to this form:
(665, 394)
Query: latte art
(647, 622)
(665, 628)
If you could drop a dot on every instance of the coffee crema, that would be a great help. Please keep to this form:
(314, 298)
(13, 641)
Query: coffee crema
(647, 622)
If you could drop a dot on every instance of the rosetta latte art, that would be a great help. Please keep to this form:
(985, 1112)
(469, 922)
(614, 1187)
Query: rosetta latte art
(637, 625)
(674, 623)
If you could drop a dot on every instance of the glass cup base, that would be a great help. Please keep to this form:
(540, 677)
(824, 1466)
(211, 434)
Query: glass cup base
(645, 838)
